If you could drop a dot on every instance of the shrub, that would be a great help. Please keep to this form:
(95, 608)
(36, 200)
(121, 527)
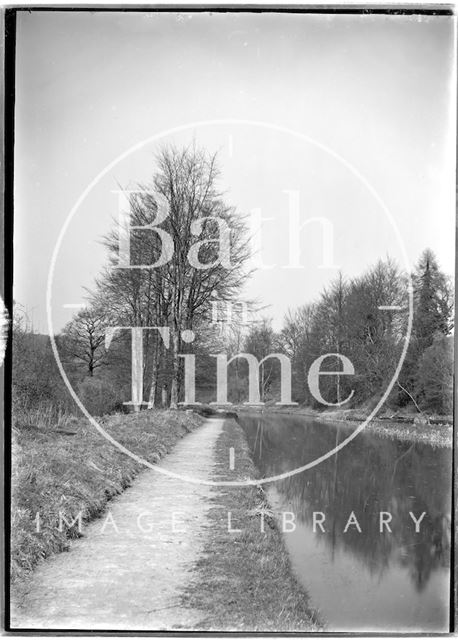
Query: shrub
(99, 396)
(434, 383)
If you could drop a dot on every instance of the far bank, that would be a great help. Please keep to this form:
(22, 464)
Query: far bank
(434, 430)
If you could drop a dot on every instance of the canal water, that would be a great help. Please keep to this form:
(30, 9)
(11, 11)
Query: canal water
(361, 580)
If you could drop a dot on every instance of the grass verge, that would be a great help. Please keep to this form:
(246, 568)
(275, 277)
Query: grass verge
(244, 580)
(74, 469)
(436, 435)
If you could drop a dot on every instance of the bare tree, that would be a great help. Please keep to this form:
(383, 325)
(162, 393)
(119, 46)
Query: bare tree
(209, 247)
(295, 339)
(83, 339)
(187, 179)
(262, 341)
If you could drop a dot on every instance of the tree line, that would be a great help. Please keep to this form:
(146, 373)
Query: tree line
(347, 317)
(366, 318)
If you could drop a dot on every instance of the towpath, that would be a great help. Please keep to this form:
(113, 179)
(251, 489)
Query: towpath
(128, 570)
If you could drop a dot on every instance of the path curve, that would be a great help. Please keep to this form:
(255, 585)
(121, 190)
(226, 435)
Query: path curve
(118, 577)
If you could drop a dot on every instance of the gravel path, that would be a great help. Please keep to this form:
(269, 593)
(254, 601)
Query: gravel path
(119, 577)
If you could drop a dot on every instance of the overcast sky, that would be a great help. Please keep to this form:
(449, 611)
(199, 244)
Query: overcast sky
(373, 92)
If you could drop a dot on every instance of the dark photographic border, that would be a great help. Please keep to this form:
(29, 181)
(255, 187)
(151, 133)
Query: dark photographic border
(7, 225)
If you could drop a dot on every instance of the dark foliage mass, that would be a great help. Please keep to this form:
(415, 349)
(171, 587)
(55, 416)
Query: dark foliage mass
(348, 318)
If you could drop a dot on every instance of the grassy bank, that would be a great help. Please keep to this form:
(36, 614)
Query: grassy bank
(436, 435)
(73, 469)
(438, 432)
(244, 580)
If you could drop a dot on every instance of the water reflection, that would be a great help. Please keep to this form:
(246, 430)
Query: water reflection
(402, 575)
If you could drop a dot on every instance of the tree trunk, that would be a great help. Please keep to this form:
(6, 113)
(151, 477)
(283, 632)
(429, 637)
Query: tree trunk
(154, 374)
(175, 371)
(152, 393)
